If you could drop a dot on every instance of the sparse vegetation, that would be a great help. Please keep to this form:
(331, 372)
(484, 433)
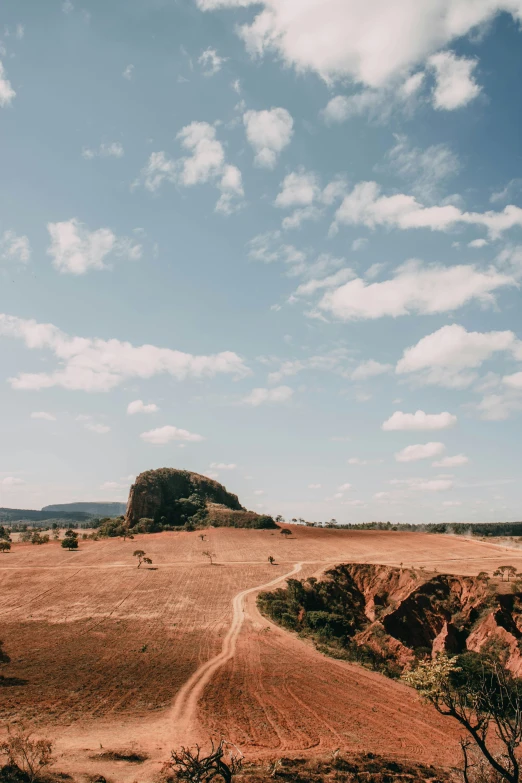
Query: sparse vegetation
(142, 557)
(210, 555)
(5, 546)
(223, 762)
(505, 572)
(26, 755)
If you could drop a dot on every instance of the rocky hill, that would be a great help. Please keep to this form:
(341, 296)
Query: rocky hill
(172, 498)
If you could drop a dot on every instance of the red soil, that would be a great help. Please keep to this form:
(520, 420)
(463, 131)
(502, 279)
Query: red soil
(109, 654)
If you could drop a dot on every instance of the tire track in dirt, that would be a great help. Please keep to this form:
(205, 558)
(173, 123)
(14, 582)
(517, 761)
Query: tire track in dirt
(185, 704)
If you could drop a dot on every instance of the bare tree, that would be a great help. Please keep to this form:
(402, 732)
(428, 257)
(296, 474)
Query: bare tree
(210, 555)
(193, 766)
(29, 755)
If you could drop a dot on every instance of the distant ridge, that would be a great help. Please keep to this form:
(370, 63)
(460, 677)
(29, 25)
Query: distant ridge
(102, 509)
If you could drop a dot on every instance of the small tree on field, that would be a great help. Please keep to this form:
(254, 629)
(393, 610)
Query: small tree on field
(140, 554)
(147, 561)
(483, 576)
(5, 546)
(193, 766)
(70, 540)
(484, 698)
(286, 532)
(271, 560)
(202, 536)
(508, 571)
(210, 555)
(29, 755)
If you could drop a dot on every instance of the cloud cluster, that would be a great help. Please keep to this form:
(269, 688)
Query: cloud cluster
(96, 365)
(414, 288)
(371, 43)
(211, 62)
(205, 163)
(268, 132)
(163, 435)
(367, 206)
(75, 249)
(301, 191)
(112, 150)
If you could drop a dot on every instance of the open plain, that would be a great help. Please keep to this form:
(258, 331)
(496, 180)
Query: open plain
(107, 656)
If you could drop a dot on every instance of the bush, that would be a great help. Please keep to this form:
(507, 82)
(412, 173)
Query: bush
(27, 755)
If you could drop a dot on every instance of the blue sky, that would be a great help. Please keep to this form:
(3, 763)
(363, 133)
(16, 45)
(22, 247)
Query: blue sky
(279, 243)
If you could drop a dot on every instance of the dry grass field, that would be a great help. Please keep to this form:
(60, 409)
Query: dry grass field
(106, 654)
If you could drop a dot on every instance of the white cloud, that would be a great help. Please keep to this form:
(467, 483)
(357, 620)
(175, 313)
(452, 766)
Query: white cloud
(371, 43)
(499, 407)
(14, 248)
(93, 364)
(330, 281)
(478, 243)
(268, 132)
(344, 487)
(314, 486)
(74, 249)
(11, 481)
(331, 361)
(424, 169)
(414, 288)
(261, 396)
(301, 191)
(258, 492)
(511, 190)
(99, 429)
(138, 406)
(419, 451)
(128, 71)
(359, 244)
(370, 369)
(43, 415)
(450, 503)
(223, 465)
(366, 206)
(451, 462)
(513, 381)
(211, 62)
(112, 150)
(341, 107)
(358, 461)
(419, 421)
(454, 83)
(205, 164)
(449, 356)
(113, 485)
(67, 7)
(162, 435)
(6, 91)
(353, 503)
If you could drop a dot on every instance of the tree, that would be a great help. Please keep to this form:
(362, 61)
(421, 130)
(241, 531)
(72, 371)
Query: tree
(210, 555)
(286, 532)
(478, 691)
(38, 538)
(279, 518)
(5, 546)
(505, 570)
(192, 766)
(147, 560)
(483, 576)
(271, 560)
(140, 554)
(70, 540)
(202, 536)
(26, 754)
(4, 534)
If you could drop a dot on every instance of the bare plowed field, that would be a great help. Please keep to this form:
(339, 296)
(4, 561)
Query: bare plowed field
(105, 653)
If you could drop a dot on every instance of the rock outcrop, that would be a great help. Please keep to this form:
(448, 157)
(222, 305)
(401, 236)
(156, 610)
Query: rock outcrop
(156, 494)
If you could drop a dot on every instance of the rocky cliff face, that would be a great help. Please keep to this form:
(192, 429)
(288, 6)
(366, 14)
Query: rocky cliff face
(156, 494)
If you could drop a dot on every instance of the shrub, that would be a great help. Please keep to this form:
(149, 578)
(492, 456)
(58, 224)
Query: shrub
(30, 756)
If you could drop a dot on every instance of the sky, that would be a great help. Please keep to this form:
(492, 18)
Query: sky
(278, 243)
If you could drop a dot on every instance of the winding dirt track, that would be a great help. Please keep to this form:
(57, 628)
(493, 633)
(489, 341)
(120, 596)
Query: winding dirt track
(186, 702)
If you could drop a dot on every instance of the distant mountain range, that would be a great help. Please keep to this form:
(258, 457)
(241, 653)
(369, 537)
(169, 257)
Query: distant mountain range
(64, 512)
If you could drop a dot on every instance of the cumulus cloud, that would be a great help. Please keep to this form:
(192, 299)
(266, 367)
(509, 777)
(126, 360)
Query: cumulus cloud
(419, 421)
(450, 356)
(211, 62)
(419, 451)
(373, 44)
(261, 396)
(14, 248)
(163, 435)
(414, 288)
(454, 83)
(93, 364)
(206, 163)
(424, 169)
(138, 406)
(43, 415)
(6, 91)
(344, 487)
(513, 381)
(112, 150)
(75, 249)
(268, 132)
(370, 369)
(301, 191)
(451, 462)
(366, 206)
